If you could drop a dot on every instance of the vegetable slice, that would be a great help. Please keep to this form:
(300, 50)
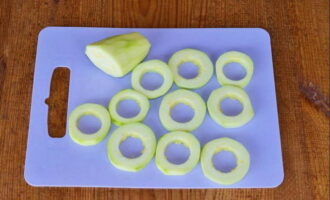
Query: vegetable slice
(156, 66)
(118, 55)
(127, 94)
(197, 57)
(238, 57)
(188, 98)
(177, 137)
(218, 95)
(137, 130)
(225, 144)
(89, 109)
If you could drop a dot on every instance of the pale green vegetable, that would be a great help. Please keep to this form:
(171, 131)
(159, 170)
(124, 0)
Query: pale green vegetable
(232, 92)
(89, 109)
(156, 66)
(128, 94)
(200, 59)
(118, 55)
(136, 130)
(188, 98)
(225, 144)
(177, 137)
(238, 57)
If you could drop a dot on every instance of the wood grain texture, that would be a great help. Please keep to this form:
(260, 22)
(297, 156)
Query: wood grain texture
(299, 31)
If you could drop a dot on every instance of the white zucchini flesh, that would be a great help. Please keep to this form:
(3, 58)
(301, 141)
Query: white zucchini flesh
(119, 54)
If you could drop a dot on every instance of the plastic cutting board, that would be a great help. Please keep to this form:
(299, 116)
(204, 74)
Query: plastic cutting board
(61, 162)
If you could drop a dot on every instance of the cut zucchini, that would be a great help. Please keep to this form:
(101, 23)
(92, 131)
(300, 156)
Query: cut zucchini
(156, 66)
(89, 109)
(119, 54)
(136, 130)
(177, 137)
(238, 57)
(225, 144)
(188, 98)
(127, 94)
(199, 58)
(232, 92)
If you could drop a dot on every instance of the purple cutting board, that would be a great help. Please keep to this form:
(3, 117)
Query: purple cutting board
(61, 162)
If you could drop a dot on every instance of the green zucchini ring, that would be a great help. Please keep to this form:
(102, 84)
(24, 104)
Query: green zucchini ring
(199, 58)
(137, 130)
(218, 95)
(178, 137)
(225, 144)
(238, 57)
(188, 98)
(89, 109)
(156, 66)
(128, 94)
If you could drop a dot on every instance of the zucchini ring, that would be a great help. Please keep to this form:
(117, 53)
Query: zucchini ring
(137, 130)
(178, 137)
(238, 57)
(225, 144)
(156, 66)
(89, 109)
(198, 58)
(186, 97)
(218, 95)
(127, 94)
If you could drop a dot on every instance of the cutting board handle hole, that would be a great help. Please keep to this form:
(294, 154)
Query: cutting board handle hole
(58, 102)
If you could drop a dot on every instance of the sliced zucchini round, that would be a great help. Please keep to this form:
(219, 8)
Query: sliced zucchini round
(188, 98)
(196, 57)
(96, 110)
(225, 144)
(232, 92)
(238, 57)
(177, 137)
(128, 94)
(136, 130)
(156, 66)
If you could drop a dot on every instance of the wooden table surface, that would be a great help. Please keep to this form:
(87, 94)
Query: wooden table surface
(299, 32)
